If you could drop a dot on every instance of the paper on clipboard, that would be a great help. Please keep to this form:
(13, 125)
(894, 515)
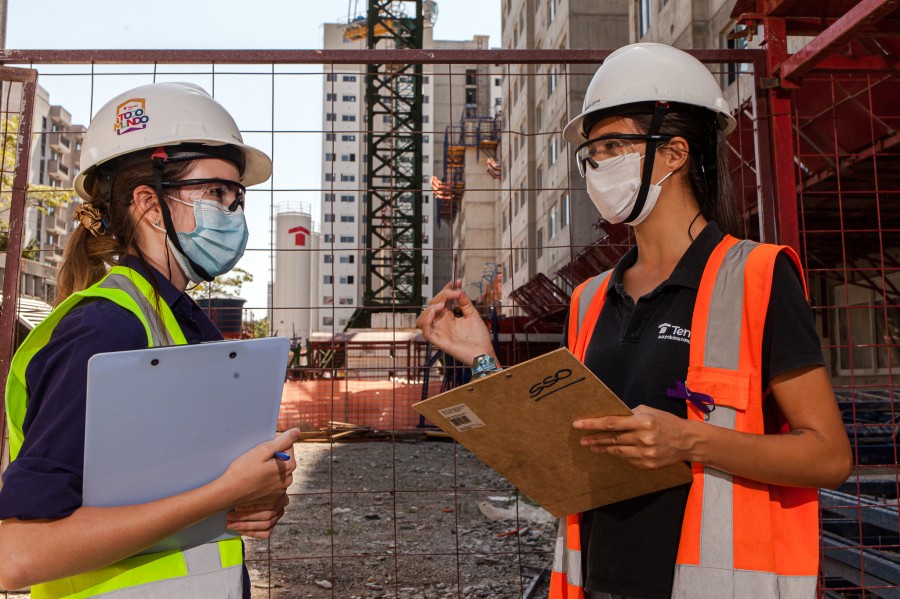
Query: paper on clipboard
(519, 422)
(165, 420)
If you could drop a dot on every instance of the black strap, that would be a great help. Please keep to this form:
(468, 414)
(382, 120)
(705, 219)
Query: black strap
(159, 161)
(649, 155)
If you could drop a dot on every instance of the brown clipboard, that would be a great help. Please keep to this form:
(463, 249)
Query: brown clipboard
(519, 422)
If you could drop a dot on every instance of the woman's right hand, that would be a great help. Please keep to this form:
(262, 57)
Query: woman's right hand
(257, 477)
(463, 337)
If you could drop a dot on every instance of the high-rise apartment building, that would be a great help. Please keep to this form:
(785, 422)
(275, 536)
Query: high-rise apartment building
(449, 93)
(542, 223)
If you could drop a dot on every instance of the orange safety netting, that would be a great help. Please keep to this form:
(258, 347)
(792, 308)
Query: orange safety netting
(386, 405)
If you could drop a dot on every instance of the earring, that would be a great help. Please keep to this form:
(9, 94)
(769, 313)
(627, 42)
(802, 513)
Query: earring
(157, 222)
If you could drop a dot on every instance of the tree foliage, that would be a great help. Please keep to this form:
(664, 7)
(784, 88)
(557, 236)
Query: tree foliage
(230, 284)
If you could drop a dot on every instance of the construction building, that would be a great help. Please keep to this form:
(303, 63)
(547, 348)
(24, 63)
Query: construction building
(543, 222)
(451, 94)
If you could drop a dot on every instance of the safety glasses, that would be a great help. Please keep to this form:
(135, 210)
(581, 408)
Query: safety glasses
(600, 152)
(229, 194)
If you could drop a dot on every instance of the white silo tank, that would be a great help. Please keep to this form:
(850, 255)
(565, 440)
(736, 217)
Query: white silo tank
(294, 245)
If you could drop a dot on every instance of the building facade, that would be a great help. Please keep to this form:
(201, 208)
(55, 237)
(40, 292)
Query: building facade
(545, 214)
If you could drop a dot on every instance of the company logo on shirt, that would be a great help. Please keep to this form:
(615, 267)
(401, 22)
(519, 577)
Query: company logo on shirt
(131, 115)
(674, 333)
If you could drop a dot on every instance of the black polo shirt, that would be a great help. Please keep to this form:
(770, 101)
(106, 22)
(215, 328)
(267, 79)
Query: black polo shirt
(641, 349)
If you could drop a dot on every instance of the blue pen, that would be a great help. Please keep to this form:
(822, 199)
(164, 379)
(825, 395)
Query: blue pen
(280, 455)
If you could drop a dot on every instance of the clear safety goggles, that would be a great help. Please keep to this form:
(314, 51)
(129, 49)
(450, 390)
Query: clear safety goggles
(229, 194)
(598, 153)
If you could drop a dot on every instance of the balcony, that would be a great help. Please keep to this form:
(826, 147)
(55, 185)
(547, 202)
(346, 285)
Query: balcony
(60, 116)
(55, 224)
(57, 171)
(59, 142)
(51, 254)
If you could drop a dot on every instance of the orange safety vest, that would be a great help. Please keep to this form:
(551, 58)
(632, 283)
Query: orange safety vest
(739, 537)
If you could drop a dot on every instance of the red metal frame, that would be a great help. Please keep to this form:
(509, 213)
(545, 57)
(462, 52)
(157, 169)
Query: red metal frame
(28, 79)
(864, 14)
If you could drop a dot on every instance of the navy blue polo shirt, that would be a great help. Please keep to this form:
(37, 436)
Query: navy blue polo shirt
(640, 349)
(45, 480)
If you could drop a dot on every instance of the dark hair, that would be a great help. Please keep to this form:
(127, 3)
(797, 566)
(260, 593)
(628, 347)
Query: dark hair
(708, 171)
(86, 258)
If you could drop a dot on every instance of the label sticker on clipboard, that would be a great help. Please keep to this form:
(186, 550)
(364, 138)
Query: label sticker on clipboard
(462, 417)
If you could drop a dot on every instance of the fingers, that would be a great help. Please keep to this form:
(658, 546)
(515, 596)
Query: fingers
(609, 423)
(278, 503)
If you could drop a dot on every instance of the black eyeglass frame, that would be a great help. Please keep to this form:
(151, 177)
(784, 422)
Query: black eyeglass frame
(583, 162)
(237, 203)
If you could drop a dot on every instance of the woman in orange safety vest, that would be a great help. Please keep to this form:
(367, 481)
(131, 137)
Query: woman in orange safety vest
(707, 337)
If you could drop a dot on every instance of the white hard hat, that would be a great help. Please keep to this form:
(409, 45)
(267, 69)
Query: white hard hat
(642, 73)
(164, 115)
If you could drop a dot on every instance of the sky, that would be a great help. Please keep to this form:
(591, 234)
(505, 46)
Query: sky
(218, 24)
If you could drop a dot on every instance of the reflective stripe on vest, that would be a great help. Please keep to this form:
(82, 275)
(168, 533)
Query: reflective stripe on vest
(740, 538)
(210, 570)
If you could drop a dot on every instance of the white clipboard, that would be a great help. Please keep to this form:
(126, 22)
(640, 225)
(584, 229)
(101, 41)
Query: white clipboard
(166, 420)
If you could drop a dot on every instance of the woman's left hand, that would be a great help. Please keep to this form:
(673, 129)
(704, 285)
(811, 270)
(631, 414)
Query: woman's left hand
(259, 519)
(648, 439)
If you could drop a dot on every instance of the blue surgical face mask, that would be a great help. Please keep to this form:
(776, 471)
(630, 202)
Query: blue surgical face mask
(216, 243)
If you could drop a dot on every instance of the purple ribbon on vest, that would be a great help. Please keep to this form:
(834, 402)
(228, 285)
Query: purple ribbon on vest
(702, 402)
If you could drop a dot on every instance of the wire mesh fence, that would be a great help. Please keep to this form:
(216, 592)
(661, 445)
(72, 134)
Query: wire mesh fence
(381, 505)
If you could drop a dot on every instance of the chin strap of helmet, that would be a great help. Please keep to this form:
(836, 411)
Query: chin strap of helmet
(159, 159)
(649, 155)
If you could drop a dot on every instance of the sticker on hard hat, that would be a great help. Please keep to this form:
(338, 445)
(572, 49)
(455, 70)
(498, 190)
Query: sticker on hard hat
(131, 115)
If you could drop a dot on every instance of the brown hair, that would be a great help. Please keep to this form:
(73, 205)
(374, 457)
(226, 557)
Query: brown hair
(86, 258)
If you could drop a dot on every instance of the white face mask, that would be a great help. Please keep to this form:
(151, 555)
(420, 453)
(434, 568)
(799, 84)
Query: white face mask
(614, 185)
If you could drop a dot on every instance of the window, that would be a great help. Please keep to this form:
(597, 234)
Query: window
(348, 178)
(329, 177)
(348, 157)
(539, 117)
(497, 82)
(424, 99)
(866, 343)
(328, 238)
(505, 217)
(347, 259)
(347, 280)
(551, 11)
(350, 78)
(540, 178)
(329, 97)
(348, 138)
(425, 79)
(425, 139)
(328, 258)
(346, 198)
(329, 197)
(425, 118)
(348, 98)
(540, 241)
(327, 321)
(734, 69)
(643, 17)
(330, 116)
(329, 217)
(564, 211)
(348, 118)
(552, 82)
(554, 150)
(554, 221)
(348, 218)
(330, 77)
(329, 157)
(328, 279)
(470, 77)
(345, 301)
(347, 239)
(330, 137)
(327, 300)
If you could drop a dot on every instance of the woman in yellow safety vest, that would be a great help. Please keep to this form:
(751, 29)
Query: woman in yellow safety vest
(163, 176)
(707, 337)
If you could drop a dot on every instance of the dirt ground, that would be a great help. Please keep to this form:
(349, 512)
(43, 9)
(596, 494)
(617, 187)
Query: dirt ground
(401, 519)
